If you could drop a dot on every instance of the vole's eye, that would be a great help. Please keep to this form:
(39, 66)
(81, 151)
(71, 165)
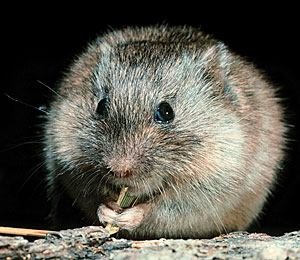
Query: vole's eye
(102, 108)
(164, 113)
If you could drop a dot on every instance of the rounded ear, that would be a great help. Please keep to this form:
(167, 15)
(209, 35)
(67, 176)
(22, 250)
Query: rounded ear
(218, 54)
(223, 60)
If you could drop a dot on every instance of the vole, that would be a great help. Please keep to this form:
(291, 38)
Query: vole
(194, 130)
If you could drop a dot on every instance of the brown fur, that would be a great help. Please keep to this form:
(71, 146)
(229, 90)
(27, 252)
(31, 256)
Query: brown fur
(207, 172)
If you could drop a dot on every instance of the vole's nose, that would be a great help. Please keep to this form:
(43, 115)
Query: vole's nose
(123, 165)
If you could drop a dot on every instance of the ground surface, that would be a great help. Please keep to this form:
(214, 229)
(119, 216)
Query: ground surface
(95, 243)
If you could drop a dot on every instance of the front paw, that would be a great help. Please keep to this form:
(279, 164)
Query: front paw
(107, 213)
(124, 218)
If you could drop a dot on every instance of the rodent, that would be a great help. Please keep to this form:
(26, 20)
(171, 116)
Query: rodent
(194, 130)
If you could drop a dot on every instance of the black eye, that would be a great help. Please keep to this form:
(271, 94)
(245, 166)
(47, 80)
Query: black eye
(164, 113)
(102, 108)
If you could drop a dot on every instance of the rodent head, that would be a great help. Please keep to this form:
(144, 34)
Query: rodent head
(145, 113)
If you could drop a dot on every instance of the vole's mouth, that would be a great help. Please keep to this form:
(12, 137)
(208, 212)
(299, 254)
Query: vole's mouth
(137, 186)
(134, 187)
(122, 174)
(123, 179)
(138, 183)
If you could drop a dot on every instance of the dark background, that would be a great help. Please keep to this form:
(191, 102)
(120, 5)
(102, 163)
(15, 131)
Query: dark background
(38, 44)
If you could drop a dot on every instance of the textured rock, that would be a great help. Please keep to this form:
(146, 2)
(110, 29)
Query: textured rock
(95, 243)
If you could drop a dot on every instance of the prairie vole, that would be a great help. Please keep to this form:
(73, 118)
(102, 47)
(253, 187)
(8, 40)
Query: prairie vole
(195, 131)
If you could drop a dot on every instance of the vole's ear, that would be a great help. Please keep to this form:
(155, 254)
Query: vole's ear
(224, 59)
(219, 55)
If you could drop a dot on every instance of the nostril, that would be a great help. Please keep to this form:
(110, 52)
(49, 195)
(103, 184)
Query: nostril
(123, 166)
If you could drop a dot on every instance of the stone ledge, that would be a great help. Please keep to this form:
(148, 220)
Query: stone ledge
(95, 243)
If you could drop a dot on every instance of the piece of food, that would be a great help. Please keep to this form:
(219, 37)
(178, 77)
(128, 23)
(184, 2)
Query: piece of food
(124, 201)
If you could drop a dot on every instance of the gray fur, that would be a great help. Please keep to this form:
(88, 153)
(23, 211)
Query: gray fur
(207, 172)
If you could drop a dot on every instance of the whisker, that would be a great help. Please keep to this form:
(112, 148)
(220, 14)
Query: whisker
(88, 185)
(51, 89)
(14, 146)
(33, 172)
(100, 182)
(216, 214)
(41, 109)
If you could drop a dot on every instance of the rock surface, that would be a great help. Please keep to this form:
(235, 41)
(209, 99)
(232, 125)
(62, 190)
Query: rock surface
(95, 243)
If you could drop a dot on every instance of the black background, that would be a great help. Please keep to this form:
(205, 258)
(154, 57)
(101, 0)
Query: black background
(38, 44)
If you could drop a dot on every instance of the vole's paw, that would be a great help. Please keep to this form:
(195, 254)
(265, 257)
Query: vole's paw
(107, 213)
(132, 217)
(124, 218)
